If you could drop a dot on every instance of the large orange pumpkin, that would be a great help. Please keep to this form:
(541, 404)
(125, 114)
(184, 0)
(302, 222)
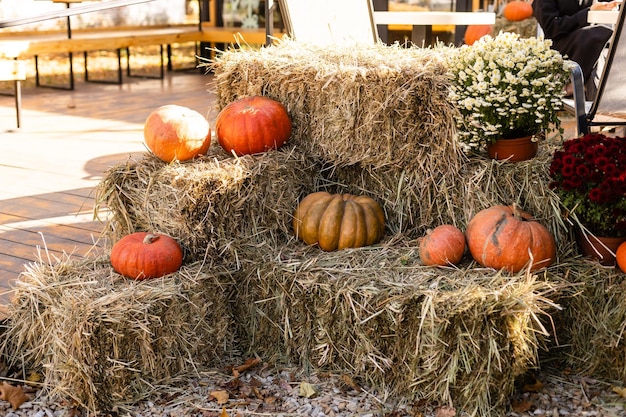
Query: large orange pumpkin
(505, 237)
(444, 245)
(517, 10)
(620, 257)
(338, 221)
(175, 132)
(143, 255)
(252, 125)
(475, 32)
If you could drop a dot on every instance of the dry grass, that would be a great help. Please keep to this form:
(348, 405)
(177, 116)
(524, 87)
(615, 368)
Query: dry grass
(365, 122)
(594, 321)
(451, 335)
(107, 342)
(525, 28)
(212, 205)
(365, 105)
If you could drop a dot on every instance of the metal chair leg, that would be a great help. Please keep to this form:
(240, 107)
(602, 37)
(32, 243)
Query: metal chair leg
(18, 102)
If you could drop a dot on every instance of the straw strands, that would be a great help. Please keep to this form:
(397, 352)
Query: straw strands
(415, 200)
(107, 342)
(451, 335)
(369, 120)
(595, 321)
(212, 204)
(525, 28)
(217, 201)
(373, 105)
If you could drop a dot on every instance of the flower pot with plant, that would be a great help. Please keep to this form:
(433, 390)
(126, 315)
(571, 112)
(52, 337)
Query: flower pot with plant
(589, 177)
(506, 87)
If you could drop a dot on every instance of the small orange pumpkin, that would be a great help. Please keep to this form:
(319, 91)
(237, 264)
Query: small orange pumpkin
(517, 10)
(143, 255)
(620, 257)
(175, 132)
(338, 221)
(444, 245)
(252, 125)
(505, 237)
(475, 32)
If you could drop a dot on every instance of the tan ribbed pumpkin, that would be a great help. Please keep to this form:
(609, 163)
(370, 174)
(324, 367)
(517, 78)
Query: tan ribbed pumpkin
(338, 221)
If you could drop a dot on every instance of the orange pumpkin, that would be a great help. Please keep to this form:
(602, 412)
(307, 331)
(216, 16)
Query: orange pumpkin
(620, 257)
(175, 132)
(338, 221)
(475, 32)
(252, 125)
(143, 255)
(444, 245)
(517, 10)
(505, 237)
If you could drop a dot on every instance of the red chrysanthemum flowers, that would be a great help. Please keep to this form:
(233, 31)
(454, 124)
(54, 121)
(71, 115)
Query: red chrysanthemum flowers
(589, 176)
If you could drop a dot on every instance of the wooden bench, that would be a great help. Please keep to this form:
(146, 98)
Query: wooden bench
(28, 44)
(25, 45)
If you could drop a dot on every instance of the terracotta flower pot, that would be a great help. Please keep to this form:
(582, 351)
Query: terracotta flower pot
(600, 248)
(514, 150)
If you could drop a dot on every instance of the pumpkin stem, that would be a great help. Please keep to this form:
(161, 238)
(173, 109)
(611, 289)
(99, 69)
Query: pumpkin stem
(517, 212)
(150, 238)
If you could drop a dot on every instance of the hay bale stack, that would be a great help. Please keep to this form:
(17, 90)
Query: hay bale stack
(373, 105)
(107, 342)
(379, 120)
(456, 336)
(377, 116)
(212, 204)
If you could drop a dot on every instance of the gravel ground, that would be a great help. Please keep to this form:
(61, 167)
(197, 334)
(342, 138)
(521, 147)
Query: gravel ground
(264, 391)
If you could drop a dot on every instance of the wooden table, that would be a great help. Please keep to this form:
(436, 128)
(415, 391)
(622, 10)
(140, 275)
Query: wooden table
(422, 22)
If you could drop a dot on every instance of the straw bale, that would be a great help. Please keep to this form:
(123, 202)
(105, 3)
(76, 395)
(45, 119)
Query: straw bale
(415, 200)
(457, 336)
(592, 339)
(107, 342)
(211, 204)
(216, 204)
(486, 182)
(374, 105)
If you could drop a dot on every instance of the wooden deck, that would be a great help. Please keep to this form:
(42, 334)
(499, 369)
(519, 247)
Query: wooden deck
(68, 139)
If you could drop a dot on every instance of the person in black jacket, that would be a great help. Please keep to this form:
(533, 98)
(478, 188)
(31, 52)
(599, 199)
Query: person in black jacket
(565, 23)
